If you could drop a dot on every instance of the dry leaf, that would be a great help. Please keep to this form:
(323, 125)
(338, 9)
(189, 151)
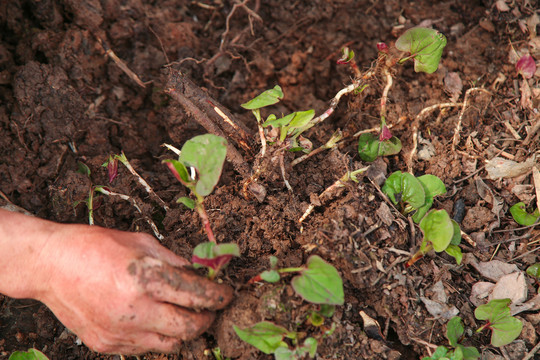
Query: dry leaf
(512, 286)
(498, 167)
(437, 306)
(480, 292)
(502, 6)
(493, 270)
(453, 85)
(536, 181)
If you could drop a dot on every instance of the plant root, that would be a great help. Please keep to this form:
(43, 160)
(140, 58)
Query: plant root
(456, 138)
(135, 204)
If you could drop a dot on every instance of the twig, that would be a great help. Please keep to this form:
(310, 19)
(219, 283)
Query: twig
(123, 159)
(531, 353)
(120, 63)
(282, 167)
(133, 202)
(202, 107)
(457, 130)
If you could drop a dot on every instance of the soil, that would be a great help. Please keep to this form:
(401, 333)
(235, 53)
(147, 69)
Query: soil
(66, 101)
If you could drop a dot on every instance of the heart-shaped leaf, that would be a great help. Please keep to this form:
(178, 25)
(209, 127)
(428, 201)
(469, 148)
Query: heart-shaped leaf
(505, 328)
(425, 46)
(405, 187)
(438, 229)
(31, 354)
(522, 217)
(206, 153)
(264, 335)
(319, 283)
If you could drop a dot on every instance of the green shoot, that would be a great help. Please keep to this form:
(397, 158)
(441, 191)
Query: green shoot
(505, 328)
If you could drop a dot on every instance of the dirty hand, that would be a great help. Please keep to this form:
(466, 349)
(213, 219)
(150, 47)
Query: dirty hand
(119, 292)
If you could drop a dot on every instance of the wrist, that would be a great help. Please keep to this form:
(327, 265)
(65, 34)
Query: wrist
(24, 270)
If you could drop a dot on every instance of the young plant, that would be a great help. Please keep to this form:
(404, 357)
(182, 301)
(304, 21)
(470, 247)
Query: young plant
(318, 282)
(31, 354)
(425, 47)
(204, 155)
(269, 338)
(522, 216)
(454, 334)
(413, 194)
(505, 328)
(214, 257)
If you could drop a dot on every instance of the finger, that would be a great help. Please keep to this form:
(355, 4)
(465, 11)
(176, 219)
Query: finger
(174, 321)
(146, 342)
(156, 250)
(181, 286)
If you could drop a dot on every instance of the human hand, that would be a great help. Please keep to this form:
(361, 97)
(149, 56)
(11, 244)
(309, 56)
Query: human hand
(123, 292)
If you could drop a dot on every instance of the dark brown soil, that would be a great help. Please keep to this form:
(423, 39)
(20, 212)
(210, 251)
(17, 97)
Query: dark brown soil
(64, 101)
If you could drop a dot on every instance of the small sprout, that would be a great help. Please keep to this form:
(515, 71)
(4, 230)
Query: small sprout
(526, 66)
(370, 147)
(214, 257)
(265, 336)
(382, 47)
(31, 354)
(454, 334)
(425, 46)
(82, 168)
(347, 55)
(112, 167)
(505, 328)
(405, 191)
(204, 155)
(522, 216)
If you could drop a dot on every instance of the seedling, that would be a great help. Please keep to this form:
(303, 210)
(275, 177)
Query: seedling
(269, 338)
(31, 354)
(440, 234)
(454, 334)
(505, 328)
(425, 47)
(413, 194)
(534, 271)
(204, 154)
(318, 281)
(213, 257)
(522, 216)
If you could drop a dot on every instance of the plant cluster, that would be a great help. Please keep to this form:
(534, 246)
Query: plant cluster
(415, 195)
(318, 283)
(504, 329)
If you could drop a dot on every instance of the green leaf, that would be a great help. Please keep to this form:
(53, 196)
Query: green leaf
(271, 276)
(264, 335)
(268, 97)
(438, 229)
(316, 319)
(179, 171)
(455, 252)
(82, 168)
(273, 262)
(388, 147)
(213, 255)
(319, 283)
(505, 328)
(284, 353)
(410, 189)
(300, 123)
(454, 330)
(327, 310)
(425, 46)
(522, 217)
(206, 153)
(368, 147)
(311, 345)
(534, 270)
(433, 186)
(469, 352)
(31, 354)
(439, 354)
(456, 238)
(422, 210)
(278, 123)
(190, 203)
